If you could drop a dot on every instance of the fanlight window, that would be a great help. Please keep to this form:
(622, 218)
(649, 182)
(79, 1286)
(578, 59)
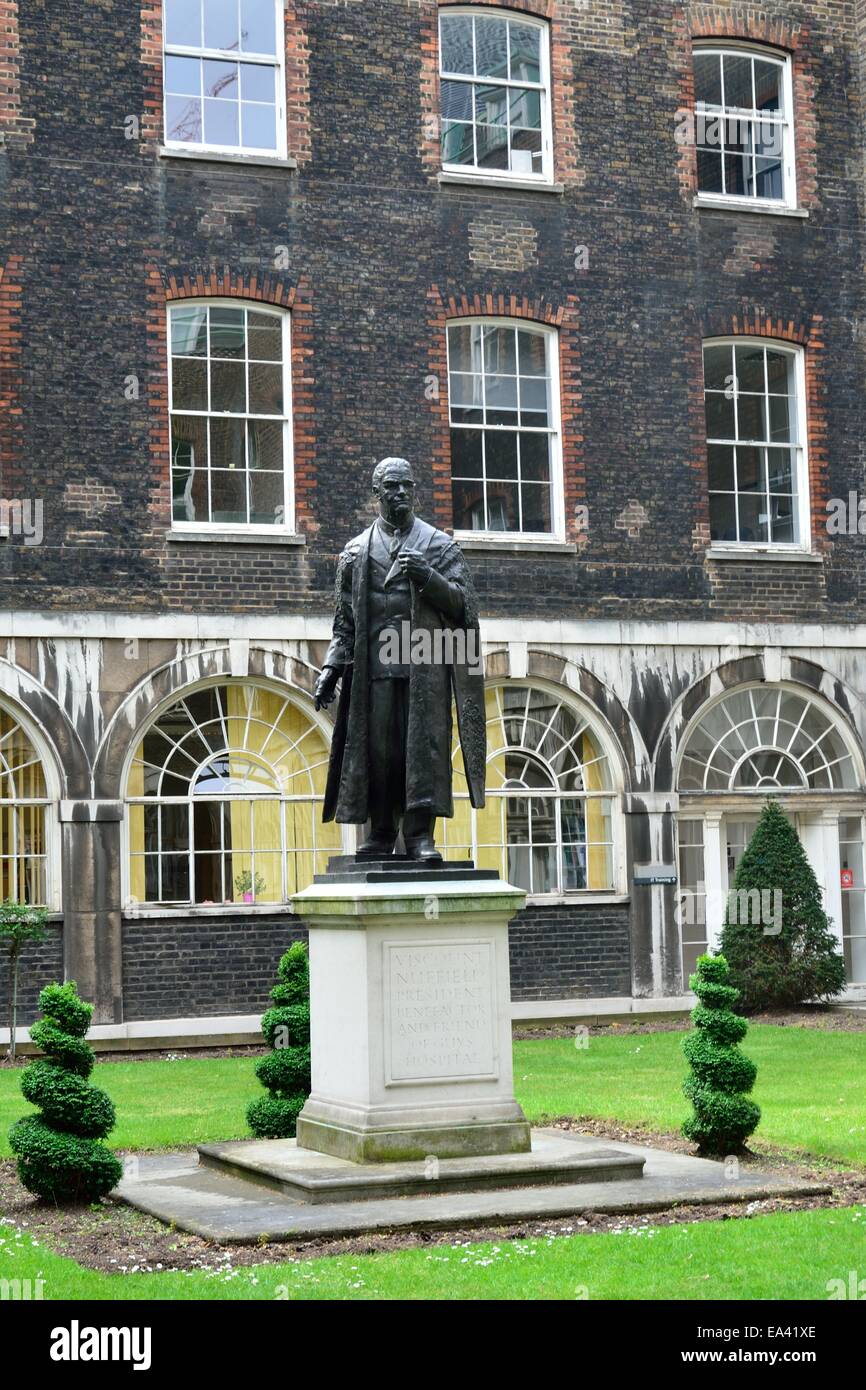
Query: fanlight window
(547, 824)
(23, 803)
(767, 738)
(225, 800)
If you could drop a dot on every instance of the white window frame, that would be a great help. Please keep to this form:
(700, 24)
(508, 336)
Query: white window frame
(277, 62)
(557, 504)
(588, 718)
(50, 803)
(240, 528)
(544, 85)
(134, 907)
(803, 545)
(789, 160)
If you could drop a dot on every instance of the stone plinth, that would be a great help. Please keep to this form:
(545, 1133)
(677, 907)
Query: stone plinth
(411, 1027)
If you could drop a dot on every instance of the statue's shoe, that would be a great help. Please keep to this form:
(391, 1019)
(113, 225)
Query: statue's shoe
(376, 848)
(423, 849)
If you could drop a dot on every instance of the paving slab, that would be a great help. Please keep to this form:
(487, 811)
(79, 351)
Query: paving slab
(219, 1206)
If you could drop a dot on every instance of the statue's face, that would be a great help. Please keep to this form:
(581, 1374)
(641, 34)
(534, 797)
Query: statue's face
(396, 493)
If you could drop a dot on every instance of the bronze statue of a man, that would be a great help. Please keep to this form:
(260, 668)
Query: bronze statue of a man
(405, 643)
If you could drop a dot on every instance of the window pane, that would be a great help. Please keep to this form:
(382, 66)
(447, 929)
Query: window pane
(499, 353)
(751, 419)
(228, 496)
(535, 457)
(750, 470)
(257, 82)
(183, 22)
(525, 47)
(491, 47)
(718, 368)
(753, 518)
(468, 503)
(526, 153)
(227, 444)
(708, 79)
(265, 337)
(781, 470)
(456, 43)
(183, 119)
(267, 500)
(720, 466)
(266, 389)
(535, 501)
(461, 356)
(458, 144)
(768, 86)
(738, 175)
(466, 453)
(227, 387)
(738, 81)
(780, 373)
(189, 330)
(502, 507)
(221, 24)
(720, 416)
(492, 147)
(723, 517)
(491, 105)
(456, 101)
(189, 383)
(524, 108)
(532, 353)
(183, 76)
(768, 178)
(750, 368)
(710, 171)
(265, 445)
(258, 33)
(501, 452)
(780, 417)
(221, 125)
(220, 79)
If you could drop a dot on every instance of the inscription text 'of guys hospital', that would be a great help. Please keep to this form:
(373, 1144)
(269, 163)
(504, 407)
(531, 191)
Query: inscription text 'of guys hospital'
(441, 1010)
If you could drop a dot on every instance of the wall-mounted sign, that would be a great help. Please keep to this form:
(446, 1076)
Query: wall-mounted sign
(847, 878)
(650, 874)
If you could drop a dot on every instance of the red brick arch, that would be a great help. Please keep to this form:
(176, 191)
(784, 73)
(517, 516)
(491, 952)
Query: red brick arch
(166, 286)
(443, 307)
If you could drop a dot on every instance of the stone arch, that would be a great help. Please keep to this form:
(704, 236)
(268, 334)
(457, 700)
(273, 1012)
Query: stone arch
(232, 661)
(769, 667)
(67, 766)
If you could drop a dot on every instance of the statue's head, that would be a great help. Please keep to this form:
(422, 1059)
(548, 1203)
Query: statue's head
(394, 490)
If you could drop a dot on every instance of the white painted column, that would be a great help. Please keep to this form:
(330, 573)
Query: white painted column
(715, 881)
(819, 833)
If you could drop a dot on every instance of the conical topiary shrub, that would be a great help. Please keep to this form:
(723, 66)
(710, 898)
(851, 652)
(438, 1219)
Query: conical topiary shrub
(286, 1072)
(723, 1116)
(60, 1156)
(793, 956)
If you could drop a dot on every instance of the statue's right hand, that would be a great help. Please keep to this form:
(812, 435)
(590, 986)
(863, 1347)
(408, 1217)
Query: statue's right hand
(326, 687)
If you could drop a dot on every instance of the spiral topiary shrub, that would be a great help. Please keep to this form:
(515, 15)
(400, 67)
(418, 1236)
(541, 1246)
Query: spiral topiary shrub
(721, 1076)
(60, 1156)
(286, 1071)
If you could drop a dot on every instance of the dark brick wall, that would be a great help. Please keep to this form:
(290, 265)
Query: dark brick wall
(201, 968)
(196, 968)
(91, 213)
(570, 952)
(41, 965)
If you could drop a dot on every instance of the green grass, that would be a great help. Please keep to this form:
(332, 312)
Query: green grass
(810, 1088)
(762, 1257)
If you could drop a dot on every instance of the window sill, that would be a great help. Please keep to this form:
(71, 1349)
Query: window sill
(155, 912)
(217, 537)
(488, 181)
(515, 547)
(576, 899)
(264, 161)
(737, 205)
(796, 557)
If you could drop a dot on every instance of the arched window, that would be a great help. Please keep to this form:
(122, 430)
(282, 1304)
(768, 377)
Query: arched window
(225, 796)
(547, 826)
(495, 91)
(230, 401)
(766, 738)
(744, 115)
(24, 810)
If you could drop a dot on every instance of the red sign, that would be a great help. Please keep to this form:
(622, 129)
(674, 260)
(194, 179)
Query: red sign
(847, 878)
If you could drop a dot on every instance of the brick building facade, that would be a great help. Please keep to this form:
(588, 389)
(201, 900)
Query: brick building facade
(429, 217)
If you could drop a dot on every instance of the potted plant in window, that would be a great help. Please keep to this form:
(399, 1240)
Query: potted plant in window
(247, 887)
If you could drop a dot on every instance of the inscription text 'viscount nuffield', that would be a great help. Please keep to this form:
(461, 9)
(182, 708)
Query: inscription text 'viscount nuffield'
(440, 1010)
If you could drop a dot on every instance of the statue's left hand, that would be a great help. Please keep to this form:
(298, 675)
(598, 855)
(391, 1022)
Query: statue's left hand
(413, 564)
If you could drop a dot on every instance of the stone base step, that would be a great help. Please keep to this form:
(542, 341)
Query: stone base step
(307, 1176)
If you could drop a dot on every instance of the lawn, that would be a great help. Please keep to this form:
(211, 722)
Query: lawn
(810, 1087)
(759, 1257)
